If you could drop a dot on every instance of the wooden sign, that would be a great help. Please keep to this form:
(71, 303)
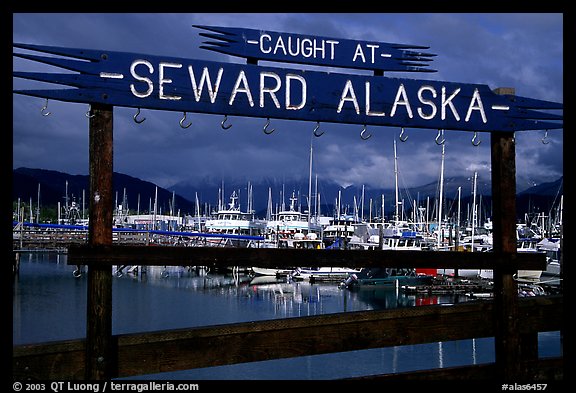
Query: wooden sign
(305, 49)
(200, 86)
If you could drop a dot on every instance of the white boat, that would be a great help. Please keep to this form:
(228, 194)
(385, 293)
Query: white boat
(341, 227)
(232, 221)
(323, 273)
(298, 240)
(290, 222)
(528, 245)
(551, 246)
(275, 272)
(523, 245)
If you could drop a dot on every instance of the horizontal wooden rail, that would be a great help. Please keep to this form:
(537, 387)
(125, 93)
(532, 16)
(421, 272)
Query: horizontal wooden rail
(182, 349)
(288, 257)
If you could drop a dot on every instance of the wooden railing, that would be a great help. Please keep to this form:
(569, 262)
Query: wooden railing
(181, 349)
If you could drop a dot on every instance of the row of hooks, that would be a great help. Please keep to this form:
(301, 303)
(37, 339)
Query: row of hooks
(403, 138)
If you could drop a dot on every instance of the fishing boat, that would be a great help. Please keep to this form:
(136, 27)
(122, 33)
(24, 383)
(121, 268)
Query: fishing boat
(288, 223)
(341, 227)
(233, 221)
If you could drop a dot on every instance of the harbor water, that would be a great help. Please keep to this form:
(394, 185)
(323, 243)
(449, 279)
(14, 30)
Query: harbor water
(49, 304)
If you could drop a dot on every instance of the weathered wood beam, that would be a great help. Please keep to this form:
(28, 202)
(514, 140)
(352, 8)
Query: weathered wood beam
(181, 349)
(273, 257)
(100, 361)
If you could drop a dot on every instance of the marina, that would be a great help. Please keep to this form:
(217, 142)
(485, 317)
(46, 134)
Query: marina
(46, 279)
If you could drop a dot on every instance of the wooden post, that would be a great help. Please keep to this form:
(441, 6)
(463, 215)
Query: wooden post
(507, 338)
(100, 360)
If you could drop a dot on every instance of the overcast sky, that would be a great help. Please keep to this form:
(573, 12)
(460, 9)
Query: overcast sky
(524, 51)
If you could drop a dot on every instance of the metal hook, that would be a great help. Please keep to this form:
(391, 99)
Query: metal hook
(545, 139)
(43, 110)
(474, 139)
(440, 142)
(362, 134)
(182, 122)
(224, 121)
(138, 120)
(88, 115)
(402, 139)
(316, 130)
(266, 130)
(78, 272)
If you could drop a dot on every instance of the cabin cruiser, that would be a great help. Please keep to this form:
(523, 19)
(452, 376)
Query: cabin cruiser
(288, 223)
(232, 221)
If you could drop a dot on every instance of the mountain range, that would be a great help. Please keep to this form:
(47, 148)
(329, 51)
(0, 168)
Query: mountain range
(139, 194)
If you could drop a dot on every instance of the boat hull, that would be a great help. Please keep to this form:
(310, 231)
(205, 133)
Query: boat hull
(261, 271)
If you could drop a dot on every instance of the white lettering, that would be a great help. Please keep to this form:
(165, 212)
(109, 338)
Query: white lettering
(271, 91)
(360, 53)
(307, 50)
(368, 112)
(267, 37)
(289, 78)
(405, 102)
(205, 79)
(373, 51)
(296, 46)
(348, 90)
(332, 46)
(296, 52)
(448, 101)
(163, 81)
(427, 102)
(476, 98)
(319, 49)
(280, 44)
(141, 78)
(241, 80)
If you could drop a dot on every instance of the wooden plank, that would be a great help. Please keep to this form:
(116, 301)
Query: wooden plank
(172, 350)
(316, 50)
(129, 80)
(273, 257)
(62, 360)
(100, 360)
(507, 339)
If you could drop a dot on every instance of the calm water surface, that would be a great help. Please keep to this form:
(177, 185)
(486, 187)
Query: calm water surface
(49, 304)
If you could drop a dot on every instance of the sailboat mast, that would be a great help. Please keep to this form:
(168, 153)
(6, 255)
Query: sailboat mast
(396, 183)
(269, 205)
(197, 209)
(362, 205)
(310, 186)
(316, 199)
(155, 207)
(440, 201)
(382, 208)
(38, 205)
(474, 210)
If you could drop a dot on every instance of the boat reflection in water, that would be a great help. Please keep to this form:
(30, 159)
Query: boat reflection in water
(49, 304)
(284, 297)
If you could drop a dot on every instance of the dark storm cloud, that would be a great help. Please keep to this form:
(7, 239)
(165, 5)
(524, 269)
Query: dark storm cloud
(524, 51)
